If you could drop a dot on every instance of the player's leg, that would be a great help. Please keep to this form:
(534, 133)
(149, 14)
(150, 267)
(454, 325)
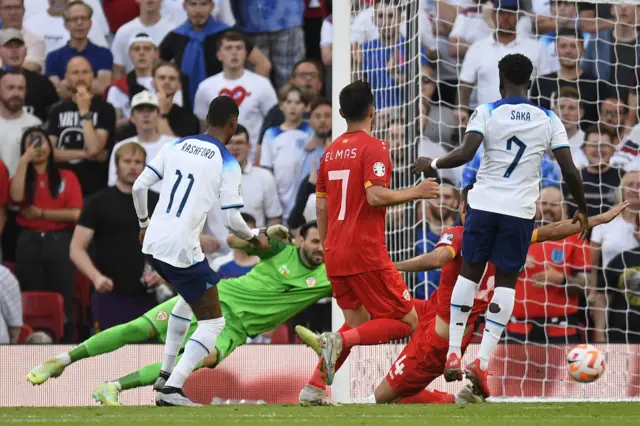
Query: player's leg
(177, 328)
(477, 242)
(509, 256)
(197, 286)
(106, 341)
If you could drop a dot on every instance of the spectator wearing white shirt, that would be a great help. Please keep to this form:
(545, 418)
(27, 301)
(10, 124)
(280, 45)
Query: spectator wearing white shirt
(143, 52)
(283, 146)
(34, 7)
(12, 15)
(252, 92)
(145, 116)
(259, 193)
(10, 307)
(480, 66)
(609, 240)
(49, 25)
(150, 22)
(570, 109)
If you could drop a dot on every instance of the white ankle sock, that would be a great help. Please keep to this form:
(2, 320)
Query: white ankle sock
(202, 342)
(179, 323)
(503, 299)
(461, 303)
(64, 358)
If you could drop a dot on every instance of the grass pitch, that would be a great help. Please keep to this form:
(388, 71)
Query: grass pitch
(547, 414)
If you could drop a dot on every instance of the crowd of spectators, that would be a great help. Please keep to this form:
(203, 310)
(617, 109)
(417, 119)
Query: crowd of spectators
(90, 91)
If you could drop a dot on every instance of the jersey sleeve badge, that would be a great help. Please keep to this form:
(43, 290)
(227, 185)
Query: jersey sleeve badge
(311, 281)
(446, 238)
(162, 316)
(379, 169)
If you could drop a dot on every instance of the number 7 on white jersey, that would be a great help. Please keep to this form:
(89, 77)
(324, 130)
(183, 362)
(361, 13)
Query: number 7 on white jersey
(342, 175)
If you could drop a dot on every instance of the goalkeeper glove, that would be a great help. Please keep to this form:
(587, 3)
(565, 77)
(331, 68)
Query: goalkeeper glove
(279, 233)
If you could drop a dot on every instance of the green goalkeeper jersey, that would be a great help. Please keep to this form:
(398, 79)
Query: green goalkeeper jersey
(276, 289)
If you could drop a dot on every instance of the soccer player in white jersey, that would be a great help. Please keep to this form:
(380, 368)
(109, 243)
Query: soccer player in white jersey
(196, 171)
(502, 204)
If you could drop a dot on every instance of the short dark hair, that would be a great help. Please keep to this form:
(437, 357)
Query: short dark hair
(222, 111)
(304, 229)
(241, 130)
(248, 218)
(318, 102)
(161, 64)
(599, 130)
(230, 36)
(65, 13)
(12, 71)
(319, 66)
(569, 92)
(570, 32)
(516, 69)
(355, 100)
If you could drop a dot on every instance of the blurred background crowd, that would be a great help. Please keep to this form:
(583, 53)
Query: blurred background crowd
(90, 91)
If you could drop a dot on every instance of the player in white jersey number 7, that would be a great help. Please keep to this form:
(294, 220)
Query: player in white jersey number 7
(196, 172)
(501, 205)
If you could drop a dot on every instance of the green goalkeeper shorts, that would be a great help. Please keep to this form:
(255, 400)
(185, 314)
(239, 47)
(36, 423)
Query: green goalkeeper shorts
(232, 336)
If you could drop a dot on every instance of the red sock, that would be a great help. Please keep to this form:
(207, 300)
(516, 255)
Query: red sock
(374, 332)
(429, 397)
(318, 377)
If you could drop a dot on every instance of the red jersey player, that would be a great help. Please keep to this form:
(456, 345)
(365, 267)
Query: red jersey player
(352, 195)
(424, 358)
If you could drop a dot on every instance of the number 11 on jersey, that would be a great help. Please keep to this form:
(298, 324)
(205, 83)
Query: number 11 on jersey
(342, 175)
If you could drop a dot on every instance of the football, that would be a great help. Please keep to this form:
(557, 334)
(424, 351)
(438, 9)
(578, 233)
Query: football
(585, 363)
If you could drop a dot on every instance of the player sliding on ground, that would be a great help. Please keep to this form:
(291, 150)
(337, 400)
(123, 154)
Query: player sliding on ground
(502, 205)
(423, 359)
(352, 195)
(196, 172)
(286, 280)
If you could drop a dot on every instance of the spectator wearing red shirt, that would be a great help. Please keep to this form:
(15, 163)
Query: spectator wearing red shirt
(548, 290)
(50, 200)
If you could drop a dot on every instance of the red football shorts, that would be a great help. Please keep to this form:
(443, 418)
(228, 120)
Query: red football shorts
(383, 293)
(421, 361)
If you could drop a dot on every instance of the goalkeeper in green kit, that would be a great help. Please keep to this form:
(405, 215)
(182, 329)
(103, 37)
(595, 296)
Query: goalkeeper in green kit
(286, 280)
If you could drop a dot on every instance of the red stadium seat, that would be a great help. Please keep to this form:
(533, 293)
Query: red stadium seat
(25, 332)
(11, 266)
(281, 335)
(44, 310)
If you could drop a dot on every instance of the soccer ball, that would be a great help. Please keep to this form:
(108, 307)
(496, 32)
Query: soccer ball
(585, 363)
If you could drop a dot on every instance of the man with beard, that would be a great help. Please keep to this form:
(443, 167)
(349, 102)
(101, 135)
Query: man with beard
(41, 94)
(548, 291)
(13, 120)
(287, 279)
(80, 128)
(117, 270)
(145, 115)
(320, 121)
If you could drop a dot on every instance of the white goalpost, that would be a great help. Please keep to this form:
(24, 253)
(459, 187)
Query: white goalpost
(415, 83)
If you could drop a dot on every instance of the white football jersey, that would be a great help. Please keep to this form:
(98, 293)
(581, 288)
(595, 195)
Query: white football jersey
(196, 171)
(516, 136)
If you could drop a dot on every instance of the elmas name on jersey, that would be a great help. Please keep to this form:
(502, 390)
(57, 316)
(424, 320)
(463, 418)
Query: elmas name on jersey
(198, 150)
(341, 154)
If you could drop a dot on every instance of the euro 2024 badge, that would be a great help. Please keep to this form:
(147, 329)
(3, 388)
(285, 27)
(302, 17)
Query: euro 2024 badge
(379, 169)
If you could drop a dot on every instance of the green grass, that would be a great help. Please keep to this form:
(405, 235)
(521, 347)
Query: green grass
(547, 414)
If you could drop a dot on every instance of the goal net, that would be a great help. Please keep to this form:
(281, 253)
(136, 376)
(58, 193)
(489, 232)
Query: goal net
(427, 77)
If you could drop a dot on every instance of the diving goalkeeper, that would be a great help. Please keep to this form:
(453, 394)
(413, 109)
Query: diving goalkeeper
(286, 280)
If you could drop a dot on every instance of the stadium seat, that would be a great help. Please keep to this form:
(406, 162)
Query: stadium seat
(81, 304)
(10, 266)
(281, 335)
(44, 310)
(25, 332)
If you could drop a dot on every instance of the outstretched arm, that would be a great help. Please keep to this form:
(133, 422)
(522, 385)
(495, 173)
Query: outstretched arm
(565, 228)
(458, 157)
(435, 259)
